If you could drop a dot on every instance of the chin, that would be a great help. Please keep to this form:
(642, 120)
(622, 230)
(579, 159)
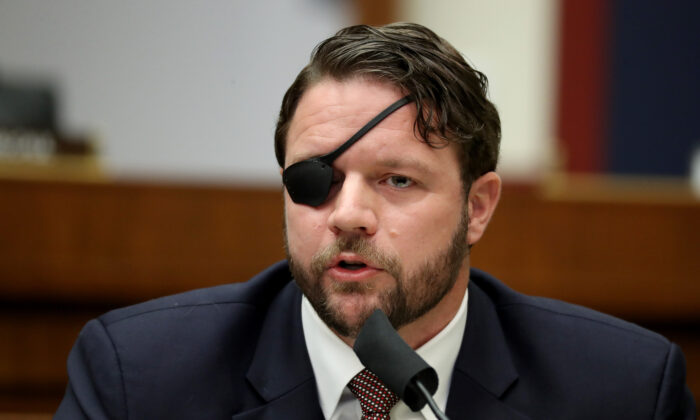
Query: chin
(350, 311)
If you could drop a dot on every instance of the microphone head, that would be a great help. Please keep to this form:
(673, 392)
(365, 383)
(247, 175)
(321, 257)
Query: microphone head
(381, 350)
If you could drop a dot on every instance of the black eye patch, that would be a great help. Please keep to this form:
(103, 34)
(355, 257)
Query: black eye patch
(309, 181)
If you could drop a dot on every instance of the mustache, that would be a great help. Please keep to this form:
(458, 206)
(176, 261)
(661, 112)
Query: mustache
(360, 246)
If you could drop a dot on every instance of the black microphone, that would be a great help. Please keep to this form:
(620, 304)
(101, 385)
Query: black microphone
(381, 350)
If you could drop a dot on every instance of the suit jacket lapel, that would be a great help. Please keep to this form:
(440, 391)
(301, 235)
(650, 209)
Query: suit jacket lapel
(484, 369)
(281, 371)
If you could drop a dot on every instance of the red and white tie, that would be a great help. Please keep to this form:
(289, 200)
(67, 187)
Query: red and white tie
(375, 398)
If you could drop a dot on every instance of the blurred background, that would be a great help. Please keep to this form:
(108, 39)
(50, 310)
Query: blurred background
(136, 156)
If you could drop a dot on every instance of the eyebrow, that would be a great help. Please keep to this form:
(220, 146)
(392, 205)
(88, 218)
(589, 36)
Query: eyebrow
(405, 162)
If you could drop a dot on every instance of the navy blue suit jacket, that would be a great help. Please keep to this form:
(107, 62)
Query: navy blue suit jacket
(237, 352)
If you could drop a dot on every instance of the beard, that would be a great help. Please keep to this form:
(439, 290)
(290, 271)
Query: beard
(412, 296)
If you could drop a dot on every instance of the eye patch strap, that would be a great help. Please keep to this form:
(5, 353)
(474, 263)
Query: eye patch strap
(330, 157)
(309, 181)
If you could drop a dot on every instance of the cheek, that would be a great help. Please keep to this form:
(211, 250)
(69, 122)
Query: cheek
(430, 228)
(305, 229)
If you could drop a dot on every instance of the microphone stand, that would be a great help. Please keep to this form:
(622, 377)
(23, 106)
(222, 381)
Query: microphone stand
(431, 402)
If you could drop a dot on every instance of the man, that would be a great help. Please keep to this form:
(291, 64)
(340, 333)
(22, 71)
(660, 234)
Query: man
(387, 145)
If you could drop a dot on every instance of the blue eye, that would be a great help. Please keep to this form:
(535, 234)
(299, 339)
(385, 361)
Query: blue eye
(399, 181)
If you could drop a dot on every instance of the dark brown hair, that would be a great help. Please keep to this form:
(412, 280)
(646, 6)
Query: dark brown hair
(450, 95)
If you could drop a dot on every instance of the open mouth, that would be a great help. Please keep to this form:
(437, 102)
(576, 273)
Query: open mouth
(349, 265)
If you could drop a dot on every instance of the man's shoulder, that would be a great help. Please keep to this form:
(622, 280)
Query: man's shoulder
(253, 294)
(185, 355)
(558, 316)
(589, 364)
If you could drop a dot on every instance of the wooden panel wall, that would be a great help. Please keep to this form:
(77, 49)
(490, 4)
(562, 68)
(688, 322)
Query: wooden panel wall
(637, 259)
(69, 251)
(113, 243)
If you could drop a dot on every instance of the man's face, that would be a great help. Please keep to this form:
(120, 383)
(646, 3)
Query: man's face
(392, 234)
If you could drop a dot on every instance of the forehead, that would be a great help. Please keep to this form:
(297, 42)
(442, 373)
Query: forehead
(330, 98)
(330, 112)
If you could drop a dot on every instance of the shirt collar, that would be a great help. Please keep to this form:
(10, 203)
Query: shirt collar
(334, 363)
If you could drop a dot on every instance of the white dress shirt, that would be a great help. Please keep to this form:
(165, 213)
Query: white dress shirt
(335, 364)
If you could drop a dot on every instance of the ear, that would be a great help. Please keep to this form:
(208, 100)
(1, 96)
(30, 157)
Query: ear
(481, 203)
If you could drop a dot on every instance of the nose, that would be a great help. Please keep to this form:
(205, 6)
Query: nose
(353, 208)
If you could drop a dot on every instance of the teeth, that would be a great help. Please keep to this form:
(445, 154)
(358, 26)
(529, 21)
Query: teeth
(351, 265)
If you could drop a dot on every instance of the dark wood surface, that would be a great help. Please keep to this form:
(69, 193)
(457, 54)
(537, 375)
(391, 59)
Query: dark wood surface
(121, 242)
(636, 259)
(71, 250)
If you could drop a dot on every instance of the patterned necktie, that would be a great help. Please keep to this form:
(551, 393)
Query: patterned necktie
(375, 398)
